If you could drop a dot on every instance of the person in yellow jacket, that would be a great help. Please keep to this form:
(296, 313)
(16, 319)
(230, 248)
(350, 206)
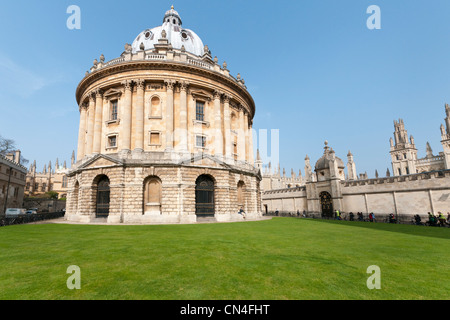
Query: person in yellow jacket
(441, 219)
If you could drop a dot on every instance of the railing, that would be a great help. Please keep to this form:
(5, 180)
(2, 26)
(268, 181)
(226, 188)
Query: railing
(114, 61)
(155, 57)
(199, 64)
(427, 160)
(30, 218)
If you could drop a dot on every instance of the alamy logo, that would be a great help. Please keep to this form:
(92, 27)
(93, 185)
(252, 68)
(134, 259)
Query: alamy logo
(74, 20)
(374, 21)
(74, 281)
(374, 281)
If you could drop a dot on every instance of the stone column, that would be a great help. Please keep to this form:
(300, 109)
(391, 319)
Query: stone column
(247, 143)
(126, 117)
(241, 135)
(218, 136)
(169, 114)
(250, 143)
(139, 120)
(90, 125)
(183, 130)
(98, 121)
(227, 126)
(82, 132)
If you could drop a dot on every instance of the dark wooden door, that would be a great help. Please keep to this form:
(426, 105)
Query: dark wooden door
(204, 196)
(103, 198)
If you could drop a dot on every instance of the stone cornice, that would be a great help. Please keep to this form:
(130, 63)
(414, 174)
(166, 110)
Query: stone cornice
(163, 65)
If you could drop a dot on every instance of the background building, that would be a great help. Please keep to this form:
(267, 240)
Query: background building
(12, 181)
(418, 186)
(49, 179)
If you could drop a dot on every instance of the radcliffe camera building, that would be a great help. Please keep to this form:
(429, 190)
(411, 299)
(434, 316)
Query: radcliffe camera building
(165, 135)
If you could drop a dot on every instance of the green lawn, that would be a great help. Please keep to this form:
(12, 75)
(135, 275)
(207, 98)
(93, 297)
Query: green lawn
(282, 258)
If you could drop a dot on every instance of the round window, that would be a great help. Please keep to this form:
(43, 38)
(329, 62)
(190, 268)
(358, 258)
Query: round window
(148, 34)
(184, 35)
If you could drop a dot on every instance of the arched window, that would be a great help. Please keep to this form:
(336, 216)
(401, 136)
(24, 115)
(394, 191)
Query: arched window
(152, 195)
(155, 107)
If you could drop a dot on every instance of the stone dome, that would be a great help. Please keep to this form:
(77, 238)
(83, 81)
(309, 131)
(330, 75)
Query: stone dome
(174, 33)
(323, 162)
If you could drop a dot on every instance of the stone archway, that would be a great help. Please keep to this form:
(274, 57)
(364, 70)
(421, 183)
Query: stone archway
(204, 196)
(326, 202)
(102, 198)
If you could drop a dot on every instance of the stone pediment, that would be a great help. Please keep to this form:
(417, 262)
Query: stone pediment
(100, 160)
(112, 93)
(205, 160)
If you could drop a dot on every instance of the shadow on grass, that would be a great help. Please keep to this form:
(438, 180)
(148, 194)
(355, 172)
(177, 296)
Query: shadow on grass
(424, 231)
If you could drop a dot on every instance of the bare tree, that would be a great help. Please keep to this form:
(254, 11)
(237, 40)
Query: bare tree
(8, 146)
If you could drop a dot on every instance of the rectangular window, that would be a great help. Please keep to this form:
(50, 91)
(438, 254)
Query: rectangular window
(64, 182)
(155, 138)
(200, 111)
(114, 110)
(200, 141)
(112, 141)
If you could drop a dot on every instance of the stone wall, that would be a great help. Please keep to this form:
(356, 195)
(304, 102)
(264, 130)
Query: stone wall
(403, 195)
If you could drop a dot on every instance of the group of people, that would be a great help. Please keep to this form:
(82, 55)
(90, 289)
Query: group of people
(434, 220)
(360, 216)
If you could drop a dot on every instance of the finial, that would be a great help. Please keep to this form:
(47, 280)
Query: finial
(171, 7)
(102, 58)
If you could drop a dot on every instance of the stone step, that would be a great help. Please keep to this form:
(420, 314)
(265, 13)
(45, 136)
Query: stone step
(206, 219)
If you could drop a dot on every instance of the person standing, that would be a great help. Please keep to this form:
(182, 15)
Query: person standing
(441, 219)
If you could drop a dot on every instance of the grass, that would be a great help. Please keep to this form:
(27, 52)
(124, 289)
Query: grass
(282, 258)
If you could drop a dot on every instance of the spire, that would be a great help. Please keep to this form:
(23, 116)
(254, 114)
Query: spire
(388, 173)
(429, 151)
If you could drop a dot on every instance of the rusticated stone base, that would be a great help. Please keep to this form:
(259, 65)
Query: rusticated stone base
(127, 180)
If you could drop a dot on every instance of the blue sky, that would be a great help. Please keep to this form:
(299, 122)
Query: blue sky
(314, 69)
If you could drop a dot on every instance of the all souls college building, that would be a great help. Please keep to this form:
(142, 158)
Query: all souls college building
(416, 186)
(165, 135)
